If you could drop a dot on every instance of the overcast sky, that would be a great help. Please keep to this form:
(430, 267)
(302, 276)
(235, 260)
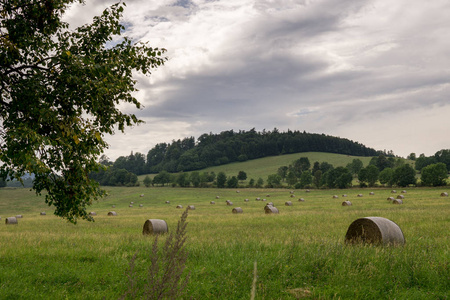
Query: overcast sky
(376, 72)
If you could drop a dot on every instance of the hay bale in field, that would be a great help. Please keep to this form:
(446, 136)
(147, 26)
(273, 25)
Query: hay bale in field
(288, 203)
(307, 191)
(113, 206)
(212, 202)
(390, 199)
(269, 209)
(269, 203)
(229, 203)
(141, 195)
(400, 197)
(246, 200)
(92, 213)
(346, 203)
(404, 192)
(397, 201)
(301, 199)
(344, 195)
(291, 192)
(191, 207)
(359, 195)
(444, 194)
(167, 202)
(237, 210)
(131, 202)
(267, 195)
(19, 217)
(371, 193)
(130, 205)
(141, 205)
(43, 213)
(179, 206)
(258, 199)
(292, 195)
(217, 197)
(237, 192)
(335, 196)
(155, 226)
(393, 191)
(112, 213)
(11, 221)
(374, 230)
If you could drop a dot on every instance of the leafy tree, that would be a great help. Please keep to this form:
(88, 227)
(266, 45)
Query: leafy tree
(183, 179)
(196, 179)
(60, 94)
(251, 183)
(317, 180)
(339, 177)
(259, 182)
(434, 175)
(385, 176)
(242, 175)
(2, 182)
(305, 179)
(273, 180)
(221, 179)
(147, 181)
(443, 156)
(372, 173)
(291, 178)
(404, 176)
(411, 156)
(232, 182)
(162, 178)
(283, 171)
(355, 166)
(422, 161)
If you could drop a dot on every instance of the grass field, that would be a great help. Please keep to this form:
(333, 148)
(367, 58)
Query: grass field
(300, 252)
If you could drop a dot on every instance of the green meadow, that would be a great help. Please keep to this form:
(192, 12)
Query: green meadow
(300, 253)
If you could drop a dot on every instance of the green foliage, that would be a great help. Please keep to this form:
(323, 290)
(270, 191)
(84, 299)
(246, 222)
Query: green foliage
(355, 166)
(242, 175)
(60, 93)
(162, 178)
(404, 176)
(339, 177)
(232, 182)
(221, 180)
(273, 180)
(147, 181)
(434, 175)
(112, 176)
(386, 176)
(422, 161)
(305, 179)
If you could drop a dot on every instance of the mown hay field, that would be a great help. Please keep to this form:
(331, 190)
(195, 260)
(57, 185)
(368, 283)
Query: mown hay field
(300, 252)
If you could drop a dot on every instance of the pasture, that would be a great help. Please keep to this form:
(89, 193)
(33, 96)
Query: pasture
(300, 252)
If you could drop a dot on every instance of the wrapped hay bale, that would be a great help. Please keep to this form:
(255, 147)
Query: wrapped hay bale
(155, 226)
(179, 206)
(268, 205)
(335, 197)
(237, 192)
(264, 199)
(444, 194)
(237, 210)
(246, 200)
(346, 203)
(292, 195)
(130, 205)
(113, 206)
(291, 192)
(301, 200)
(307, 191)
(400, 197)
(374, 230)
(345, 195)
(191, 207)
(92, 213)
(393, 191)
(404, 192)
(360, 195)
(258, 199)
(229, 203)
(390, 199)
(167, 202)
(267, 195)
(19, 217)
(217, 197)
(371, 193)
(131, 202)
(142, 195)
(141, 205)
(212, 202)
(11, 221)
(43, 213)
(271, 210)
(397, 201)
(288, 203)
(112, 213)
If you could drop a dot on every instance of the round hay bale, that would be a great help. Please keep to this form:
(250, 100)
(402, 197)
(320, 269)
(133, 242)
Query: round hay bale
(113, 206)
(217, 197)
(258, 199)
(92, 213)
(141, 195)
(400, 197)
(267, 195)
(237, 210)
(292, 195)
(444, 194)
(374, 230)
(345, 195)
(393, 191)
(226, 201)
(404, 192)
(141, 205)
(397, 201)
(43, 213)
(291, 192)
(246, 200)
(371, 193)
(167, 202)
(179, 206)
(237, 192)
(360, 195)
(335, 196)
(131, 202)
(11, 221)
(19, 217)
(229, 203)
(307, 191)
(191, 207)
(301, 200)
(390, 199)
(112, 213)
(267, 205)
(155, 226)
(270, 203)
(130, 205)
(271, 209)
(264, 199)
(346, 203)
(288, 203)
(212, 202)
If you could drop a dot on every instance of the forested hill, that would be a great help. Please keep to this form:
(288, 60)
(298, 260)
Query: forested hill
(230, 146)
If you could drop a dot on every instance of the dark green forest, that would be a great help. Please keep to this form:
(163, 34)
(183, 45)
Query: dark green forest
(230, 146)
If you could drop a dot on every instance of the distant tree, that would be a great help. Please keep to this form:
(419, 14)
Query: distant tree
(339, 177)
(283, 171)
(362, 177)
(259, 182)
(251, 183)
(221, 179)
(305, 179)
(422, 161)
(404, 176)
(232, 182)
(291, 178)
(411, 156)
(317, 180)
(372, 173)
(434, 175)
(162, 178)
(273, 180)
(385, 176)
(300, 165)
(443, 156)
(355, 166)
(196, 179)
(183, 179)
(324, 167)
(242, 176)
(147, 181)
(315, 167)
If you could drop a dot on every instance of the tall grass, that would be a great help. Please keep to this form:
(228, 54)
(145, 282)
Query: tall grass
(300, 253)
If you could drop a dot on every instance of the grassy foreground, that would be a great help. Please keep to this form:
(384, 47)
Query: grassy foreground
(300, 253)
